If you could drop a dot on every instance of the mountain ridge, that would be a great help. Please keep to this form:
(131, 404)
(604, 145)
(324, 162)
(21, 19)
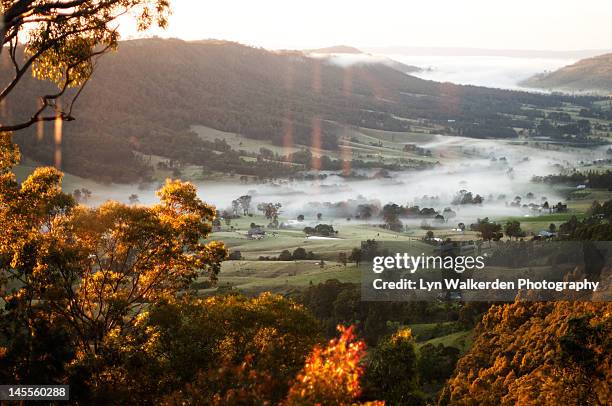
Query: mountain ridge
(587, 75)
(335, 49)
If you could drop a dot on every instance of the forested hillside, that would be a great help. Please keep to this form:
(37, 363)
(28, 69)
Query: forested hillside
(145, 97)
(590, 75)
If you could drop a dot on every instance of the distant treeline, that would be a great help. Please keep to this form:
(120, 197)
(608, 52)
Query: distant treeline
(593, 179)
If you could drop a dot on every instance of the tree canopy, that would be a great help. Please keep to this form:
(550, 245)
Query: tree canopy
(61, 42)
(88, 272)
(537, 353)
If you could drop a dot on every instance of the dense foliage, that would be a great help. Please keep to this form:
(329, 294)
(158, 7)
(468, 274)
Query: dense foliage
(537, 353)
(334, 302)
(594, 179)
(392, 373)
(183, 355)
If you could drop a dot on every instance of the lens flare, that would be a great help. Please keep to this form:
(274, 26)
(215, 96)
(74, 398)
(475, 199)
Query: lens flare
(345, 152)
(347, 83)
(58, 141)
(288, 136)
(450, 99)
(316, 121)
(316, 143)
(288, 121)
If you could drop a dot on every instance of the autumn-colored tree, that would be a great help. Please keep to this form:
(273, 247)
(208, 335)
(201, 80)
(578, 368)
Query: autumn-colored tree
(62, 39)
(220, 350)
(332, 374)
(544, 353)
(270, 210)
(91, 271)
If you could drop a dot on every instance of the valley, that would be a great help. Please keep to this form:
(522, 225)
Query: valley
(305, 203)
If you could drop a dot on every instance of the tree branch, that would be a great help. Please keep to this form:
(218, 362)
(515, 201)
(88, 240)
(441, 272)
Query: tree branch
(47, 99)
(56, 21)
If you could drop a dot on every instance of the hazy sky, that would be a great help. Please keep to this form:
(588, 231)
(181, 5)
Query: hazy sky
(499, 24)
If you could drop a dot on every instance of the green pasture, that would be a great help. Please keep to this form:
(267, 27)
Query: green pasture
(253, 277)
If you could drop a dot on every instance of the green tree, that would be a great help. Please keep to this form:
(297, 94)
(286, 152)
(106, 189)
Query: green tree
(392, 374)
(285, 255)
(245, 204)
(391, 213)
(436, 363)
(513, 229)
(355, 256)
(299, 254)
(488, 230)
(342, 258)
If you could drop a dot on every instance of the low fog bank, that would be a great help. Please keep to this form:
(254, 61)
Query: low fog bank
(504, 72)
(345, 60)
(497, 171)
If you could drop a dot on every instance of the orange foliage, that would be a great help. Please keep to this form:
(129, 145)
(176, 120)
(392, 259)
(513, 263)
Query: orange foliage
(331, 375)
(544, 353)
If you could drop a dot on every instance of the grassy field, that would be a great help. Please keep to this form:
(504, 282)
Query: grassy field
(239, 142)
(462, 340)
(362, 143)
(577, 204)
(538, 223)
(254, 277)
(349, 236)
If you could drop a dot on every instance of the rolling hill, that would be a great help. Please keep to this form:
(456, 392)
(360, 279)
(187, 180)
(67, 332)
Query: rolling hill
(587, 75)
(144, 98)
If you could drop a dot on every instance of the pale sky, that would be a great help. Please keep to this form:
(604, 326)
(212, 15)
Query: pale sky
(497, 24)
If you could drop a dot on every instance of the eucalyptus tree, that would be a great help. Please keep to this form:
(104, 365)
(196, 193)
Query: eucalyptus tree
(60, 41)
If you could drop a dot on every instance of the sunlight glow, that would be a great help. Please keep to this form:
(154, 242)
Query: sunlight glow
(288, 121)
(40, 127)
(316, 143)
(276, 24)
